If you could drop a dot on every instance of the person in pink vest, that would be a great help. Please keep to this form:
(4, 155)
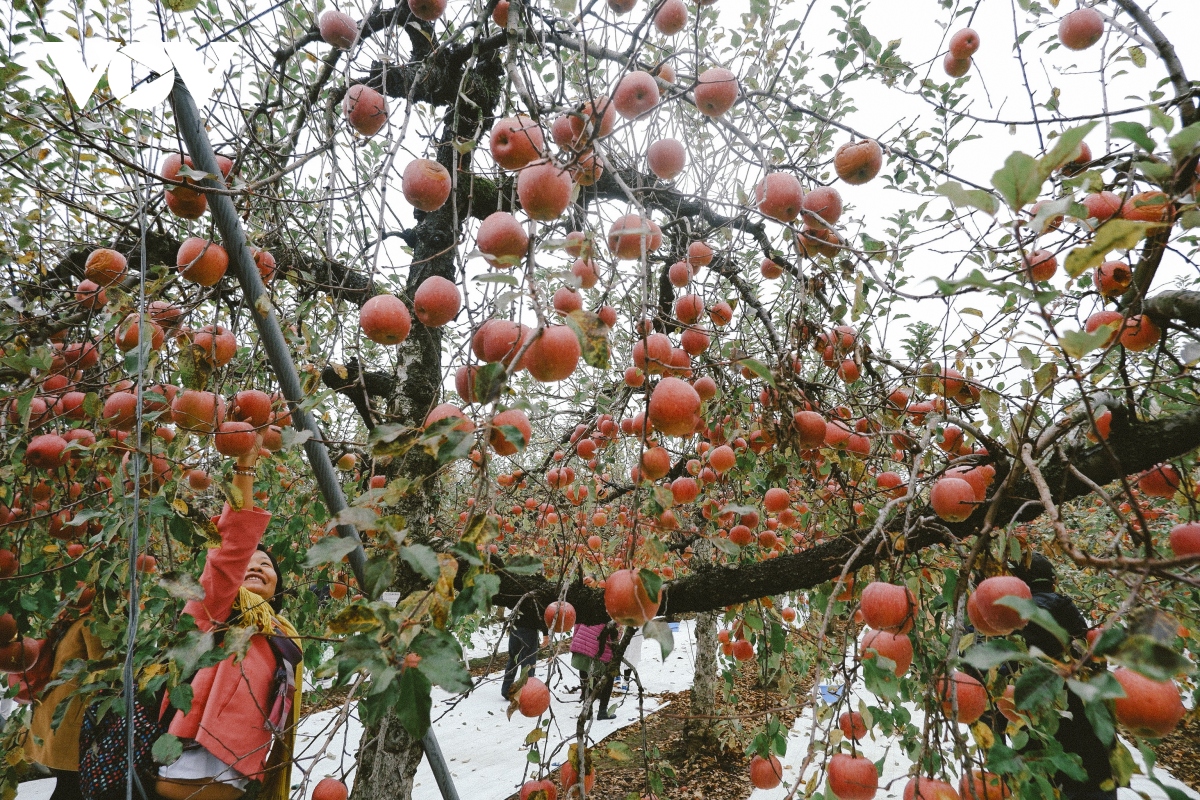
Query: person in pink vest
(590, 654)
(242, 722)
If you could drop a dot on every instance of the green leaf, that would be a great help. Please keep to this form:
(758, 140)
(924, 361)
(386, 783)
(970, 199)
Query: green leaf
(1116, 234)
(1159, 119)
(975, 279)
(379, 573)
(513, 435)
(1019, 180)
(727, 547)
(660, 631)
(879, 678)
(187, 654)
(505, 278)
(1102, 686)
(1102, 721)
(413, 702)
(1151, 658)
(442, 660)
(167, 749)
(1138, 56)
(294, 438)
(357, 517)
(524, 565)
(1035, 614)
(759, 369)
(1156, 171)
(329, 550)
(1123, 767)
(1037, 687)
(467, 551)
(456, 445)
(181, 697)
(961, 197)
(1134, 132)
(619, 751)
(1066, 147)
(1077, 344)
(652, 582)
(1004, 760)
(476, 595)
(991, 654)
(593, 337)
(489, 382)
(423, 561)
(1183, 143)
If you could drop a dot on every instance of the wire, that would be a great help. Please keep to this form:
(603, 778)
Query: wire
(238, 27)
(135, 531)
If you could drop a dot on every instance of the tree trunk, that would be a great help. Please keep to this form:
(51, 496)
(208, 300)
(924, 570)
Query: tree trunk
(388, 758)
(704, 683)
(700, 730)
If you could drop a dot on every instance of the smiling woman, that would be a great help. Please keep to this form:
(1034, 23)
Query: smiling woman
(241, 723)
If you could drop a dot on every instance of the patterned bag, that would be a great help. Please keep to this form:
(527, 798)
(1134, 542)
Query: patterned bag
(102, 746)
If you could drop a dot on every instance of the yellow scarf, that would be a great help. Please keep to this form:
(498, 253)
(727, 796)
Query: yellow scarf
(251, 610)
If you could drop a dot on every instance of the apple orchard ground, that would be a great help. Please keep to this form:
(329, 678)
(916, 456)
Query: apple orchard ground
(486, 753)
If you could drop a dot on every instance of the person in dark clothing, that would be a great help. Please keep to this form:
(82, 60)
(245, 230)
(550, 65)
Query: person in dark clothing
(1075, 734)
(524, 641)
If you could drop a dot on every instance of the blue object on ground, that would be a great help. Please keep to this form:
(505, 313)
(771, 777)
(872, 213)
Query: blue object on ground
(831, 694)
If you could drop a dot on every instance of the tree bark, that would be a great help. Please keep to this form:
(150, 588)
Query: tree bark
(699, 729)
(1138, 445)
(388, 758)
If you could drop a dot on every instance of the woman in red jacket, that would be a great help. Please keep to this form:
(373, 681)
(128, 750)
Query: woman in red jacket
(244, 711)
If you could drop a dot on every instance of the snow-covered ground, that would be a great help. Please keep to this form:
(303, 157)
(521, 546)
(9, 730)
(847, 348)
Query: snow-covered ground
(486, 750)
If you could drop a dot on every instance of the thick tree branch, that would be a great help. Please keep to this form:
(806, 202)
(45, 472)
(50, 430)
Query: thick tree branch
(1138, 446)
(1166, 51)
(1179, 305)
(354, 383)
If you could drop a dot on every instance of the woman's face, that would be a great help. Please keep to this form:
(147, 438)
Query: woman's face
(260, 577)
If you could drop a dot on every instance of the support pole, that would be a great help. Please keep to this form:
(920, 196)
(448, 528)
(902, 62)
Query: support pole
(187, 119)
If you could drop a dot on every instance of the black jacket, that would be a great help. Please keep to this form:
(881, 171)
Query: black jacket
(1075, 734)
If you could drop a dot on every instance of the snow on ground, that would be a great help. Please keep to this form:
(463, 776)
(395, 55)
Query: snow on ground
(484, 749)
(486, 752)
(896, 765)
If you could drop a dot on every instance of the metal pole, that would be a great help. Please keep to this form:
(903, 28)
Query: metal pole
(437, 763)
(187, 119)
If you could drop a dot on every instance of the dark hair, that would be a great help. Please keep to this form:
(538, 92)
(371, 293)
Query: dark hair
(1039, 574)
(277, 598)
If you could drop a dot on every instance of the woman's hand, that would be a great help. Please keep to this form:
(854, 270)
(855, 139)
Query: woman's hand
(249, 460)
(243, 475)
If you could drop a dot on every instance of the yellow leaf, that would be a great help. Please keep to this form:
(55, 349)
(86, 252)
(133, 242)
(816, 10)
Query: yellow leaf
(180, 507)
(354, 619)
(983, 735)
(1116, 234)
(619, 751)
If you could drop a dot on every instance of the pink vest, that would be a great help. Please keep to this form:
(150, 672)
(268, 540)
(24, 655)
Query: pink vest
(585, 640)
(230, 700)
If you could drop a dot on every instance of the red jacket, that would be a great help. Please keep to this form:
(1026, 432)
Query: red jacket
(231, 700)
